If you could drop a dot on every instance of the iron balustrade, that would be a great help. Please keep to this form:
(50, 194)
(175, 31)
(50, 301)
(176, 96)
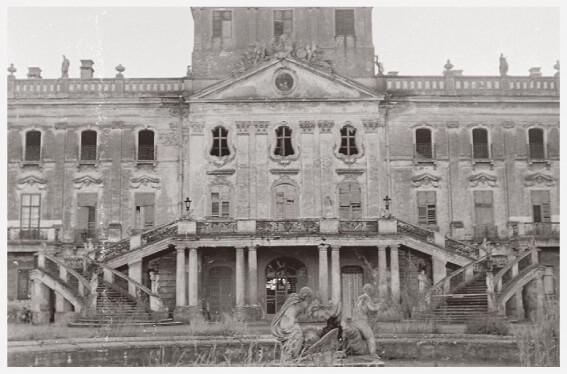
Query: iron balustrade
(424, 150)
(33, 153)
(146, 153)
(538, 230)
(88, 153)
(480, 151)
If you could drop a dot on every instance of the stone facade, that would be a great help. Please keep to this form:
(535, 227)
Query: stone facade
(300, 156)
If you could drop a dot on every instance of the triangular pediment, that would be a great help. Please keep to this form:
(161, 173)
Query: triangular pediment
(286, 79)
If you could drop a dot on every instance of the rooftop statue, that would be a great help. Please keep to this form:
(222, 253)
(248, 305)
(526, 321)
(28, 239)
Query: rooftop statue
(379, 66)
(503, 66)
(65, 68)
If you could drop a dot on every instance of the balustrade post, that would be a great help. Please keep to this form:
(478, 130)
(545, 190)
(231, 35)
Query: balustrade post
(439, 269)
(108, 276)
(134, 272)
(514, 270)
(323, 273)
(382, 270)
(180, 278)
(469, 273)
(534, 256)
(41, 260)
(519, 301)
(63, 273)
(85, 266)
(395, 274)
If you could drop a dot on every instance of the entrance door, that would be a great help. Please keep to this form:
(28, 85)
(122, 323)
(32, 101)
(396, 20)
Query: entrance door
(284, 276)
(221, 291)
(351, 282)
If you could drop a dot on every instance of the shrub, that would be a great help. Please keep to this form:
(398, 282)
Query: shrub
(489, 325)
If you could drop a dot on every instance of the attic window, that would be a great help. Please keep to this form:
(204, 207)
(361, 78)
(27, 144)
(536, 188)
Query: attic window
(344, 22)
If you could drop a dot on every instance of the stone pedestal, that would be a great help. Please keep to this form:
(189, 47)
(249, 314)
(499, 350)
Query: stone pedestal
(187, 314)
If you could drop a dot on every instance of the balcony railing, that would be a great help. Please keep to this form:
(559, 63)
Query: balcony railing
(146, 153)
(33, 153)
(538, 230)
(485, 231)
(480, 151)
(537, 151)
(424, 151)
(88, 153)
(36, 233)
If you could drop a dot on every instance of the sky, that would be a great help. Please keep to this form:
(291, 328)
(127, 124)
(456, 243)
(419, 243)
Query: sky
(157, 41)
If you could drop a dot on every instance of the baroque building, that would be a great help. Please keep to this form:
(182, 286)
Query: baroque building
(281, 160)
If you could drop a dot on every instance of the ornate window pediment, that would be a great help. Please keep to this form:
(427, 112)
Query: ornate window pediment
(145, 181)
(425, 180)
(482, 179)
(87, 181)
(31, 181)
(539, 179)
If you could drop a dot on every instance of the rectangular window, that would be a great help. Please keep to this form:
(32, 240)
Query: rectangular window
(283, 22)
(483, 208)
(541, 207)
(350, 201)
(219, 207)
(222, 24)
(23, 286)
(86, 216)
(145, 210)
(344, 22)
(30, 216)
(426, 208)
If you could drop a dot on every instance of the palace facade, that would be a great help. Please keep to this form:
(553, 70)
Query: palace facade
(281, 160)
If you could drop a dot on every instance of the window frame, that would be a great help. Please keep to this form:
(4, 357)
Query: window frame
(488, 147)
(26, 146)
(138, 145)
(81, 145)
(543, 144)
(31, 232)
(348, 137)
(288, 213)
(424, 203)
(545, 206)
(354, 212)
(281, 141)
(345, 34)
(219, 139)
(223, 202)
(418, 154)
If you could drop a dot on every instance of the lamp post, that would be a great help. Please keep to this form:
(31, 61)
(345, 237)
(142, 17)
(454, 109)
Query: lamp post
(187, 206)
(387, 201)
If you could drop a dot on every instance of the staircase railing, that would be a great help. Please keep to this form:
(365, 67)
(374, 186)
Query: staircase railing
(134, 288)
(59, 270)
(514, 267)
(455, 280)
(435, 238)
(126, 245)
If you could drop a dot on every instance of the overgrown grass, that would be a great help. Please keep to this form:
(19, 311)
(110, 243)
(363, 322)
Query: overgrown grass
(489, 325)
(539, 342)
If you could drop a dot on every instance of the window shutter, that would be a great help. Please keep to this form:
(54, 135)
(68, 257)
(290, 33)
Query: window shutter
(83, 217)
(214, 204)
(149, 216)
(483, 207)
(280, 205)
(225, 209)
(541, 206)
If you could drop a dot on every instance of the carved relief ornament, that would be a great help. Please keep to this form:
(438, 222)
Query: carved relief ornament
(539, 179)
(145, 181)
(482, 179)
(325, 126)
(371, 125)
(32, 181)
(243, 127)
(425, 180)
(87, 181)
(197, 127)
(307, 126)
(261, 126)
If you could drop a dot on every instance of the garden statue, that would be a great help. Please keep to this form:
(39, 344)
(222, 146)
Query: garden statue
(65, 68)
(361, 341)
(503, 65)
(285, 327)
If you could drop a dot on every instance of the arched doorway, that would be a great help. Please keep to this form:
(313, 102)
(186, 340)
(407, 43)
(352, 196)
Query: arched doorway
(221, 291)
(284, 275)
(351, 285)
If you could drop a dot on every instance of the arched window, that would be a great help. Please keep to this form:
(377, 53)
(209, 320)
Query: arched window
(284, 276)
(480, 143)
(286, 201)
(88, 145)
(423, 144)
(348, 141)
(537, 149)
(220, 142)
(220, 201)
(33, 146)
(350, 204)
(283, 142)
(146, 149)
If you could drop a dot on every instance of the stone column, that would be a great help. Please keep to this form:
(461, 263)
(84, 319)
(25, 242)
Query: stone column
(252, 276)
(134, 272)
(519, 301)
(239, 276)
(193, 278)
(180, 278)
(323, 274)
(382, 279)
(63, 309)
(439, 269)
(395, 274)
(540, 298)
(40, 303)
(335, 275)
